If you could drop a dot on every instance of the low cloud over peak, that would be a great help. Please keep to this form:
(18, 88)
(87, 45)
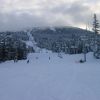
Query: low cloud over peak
(19, 14)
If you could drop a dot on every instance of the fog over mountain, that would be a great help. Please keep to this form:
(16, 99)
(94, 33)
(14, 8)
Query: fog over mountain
(21, 14)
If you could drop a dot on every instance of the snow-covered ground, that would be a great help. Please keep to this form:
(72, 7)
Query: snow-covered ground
(48, 77)
(32, 42)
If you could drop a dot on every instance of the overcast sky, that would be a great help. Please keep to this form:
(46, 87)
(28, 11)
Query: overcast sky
(19, 14)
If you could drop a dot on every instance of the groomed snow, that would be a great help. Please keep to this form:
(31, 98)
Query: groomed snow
(55, 79)
(32, 42)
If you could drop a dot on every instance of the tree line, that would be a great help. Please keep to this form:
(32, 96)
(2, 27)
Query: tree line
(13, 46)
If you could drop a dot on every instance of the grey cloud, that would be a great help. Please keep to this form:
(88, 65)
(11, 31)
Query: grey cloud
(76, 11)
(13, 21)
(49, 13)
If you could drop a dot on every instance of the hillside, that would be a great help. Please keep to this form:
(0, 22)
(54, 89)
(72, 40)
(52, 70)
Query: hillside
(59, 39)
(62, 39)
(58, 32)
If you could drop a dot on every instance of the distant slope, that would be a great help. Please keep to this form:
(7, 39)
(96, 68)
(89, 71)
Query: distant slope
(53, 38)
(60, 37)
(59, 32)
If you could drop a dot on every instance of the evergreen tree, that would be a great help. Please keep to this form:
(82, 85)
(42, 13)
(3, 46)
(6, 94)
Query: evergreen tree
(12, 48)
(96, 31)
(95, 25)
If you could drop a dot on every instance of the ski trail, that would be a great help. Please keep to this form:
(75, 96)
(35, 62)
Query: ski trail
(31, 39)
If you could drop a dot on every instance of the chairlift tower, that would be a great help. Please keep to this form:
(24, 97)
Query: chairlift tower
(84, 39)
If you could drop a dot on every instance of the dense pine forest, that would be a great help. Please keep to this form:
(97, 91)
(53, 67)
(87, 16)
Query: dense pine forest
(70, 40)
(13, 46)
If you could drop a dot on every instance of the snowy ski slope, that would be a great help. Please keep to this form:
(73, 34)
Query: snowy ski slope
(48, 77)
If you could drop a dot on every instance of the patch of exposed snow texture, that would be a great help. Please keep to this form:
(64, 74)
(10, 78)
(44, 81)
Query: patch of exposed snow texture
(52, 28)
(49, 77)
(32, 42)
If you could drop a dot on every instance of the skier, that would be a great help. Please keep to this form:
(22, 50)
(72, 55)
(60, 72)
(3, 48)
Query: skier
(27, 61)
(49, 58)
(36, 57)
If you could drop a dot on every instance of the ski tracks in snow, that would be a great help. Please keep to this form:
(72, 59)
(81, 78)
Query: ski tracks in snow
(31, 39)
